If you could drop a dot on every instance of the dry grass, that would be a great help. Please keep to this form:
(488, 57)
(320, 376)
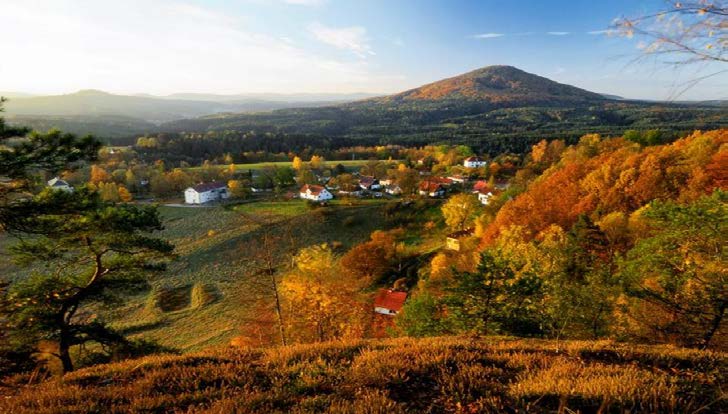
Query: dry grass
(457, 375)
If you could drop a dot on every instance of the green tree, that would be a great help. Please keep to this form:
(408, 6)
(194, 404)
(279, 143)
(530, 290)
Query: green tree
(421, 316)
(679, 271)
(493, 299)
(90, 250)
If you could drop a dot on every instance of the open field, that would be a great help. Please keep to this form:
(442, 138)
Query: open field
(349, 164)
(214, 248)
(437, 375)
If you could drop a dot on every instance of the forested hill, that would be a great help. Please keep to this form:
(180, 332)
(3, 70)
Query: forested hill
(497, 108)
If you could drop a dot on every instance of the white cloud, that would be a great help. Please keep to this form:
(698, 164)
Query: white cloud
(164, 46)
(558, 33)
(352, 38)
(488, 35)
(599, 32)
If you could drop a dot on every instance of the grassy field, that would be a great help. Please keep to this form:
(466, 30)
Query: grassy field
(349, 164)
(435, 375)
(214, 248)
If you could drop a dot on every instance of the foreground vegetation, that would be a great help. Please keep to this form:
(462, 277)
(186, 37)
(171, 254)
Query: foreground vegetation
(448, 374)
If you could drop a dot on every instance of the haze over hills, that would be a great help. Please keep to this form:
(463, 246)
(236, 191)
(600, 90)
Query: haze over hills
(160, 108)
(491, 104)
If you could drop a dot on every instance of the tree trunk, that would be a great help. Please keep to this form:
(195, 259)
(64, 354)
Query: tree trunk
(279, 312)
(63, 352)
(714, 325)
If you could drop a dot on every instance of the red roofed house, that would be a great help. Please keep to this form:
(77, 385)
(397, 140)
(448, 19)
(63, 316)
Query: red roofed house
(432, 189)
(206, 192)
(315, 193)
(474, 162)
(389, 302)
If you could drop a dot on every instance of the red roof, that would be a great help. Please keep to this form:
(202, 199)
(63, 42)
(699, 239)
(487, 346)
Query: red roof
(390, 299)
(482, 187)
(429, 186)
(315, 189)
(474, 159)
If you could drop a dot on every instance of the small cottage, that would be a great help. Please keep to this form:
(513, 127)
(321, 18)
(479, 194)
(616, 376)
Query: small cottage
(454, 240)
(315, 193)
(367, 182)
(389, 302)
(58, 184)
(206, 192)
(474, 162)
(431, 189)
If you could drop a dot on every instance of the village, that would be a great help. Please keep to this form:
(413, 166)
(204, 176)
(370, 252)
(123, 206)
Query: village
(385, 181)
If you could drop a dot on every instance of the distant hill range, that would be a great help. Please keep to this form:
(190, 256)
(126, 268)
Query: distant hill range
(495, 108)
(502, 106)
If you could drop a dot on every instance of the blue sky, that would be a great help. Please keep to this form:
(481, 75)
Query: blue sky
(285, 46)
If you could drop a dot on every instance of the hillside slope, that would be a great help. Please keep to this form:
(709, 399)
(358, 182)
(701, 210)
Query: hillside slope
(447, 374)
(495, 109)
(499, 85)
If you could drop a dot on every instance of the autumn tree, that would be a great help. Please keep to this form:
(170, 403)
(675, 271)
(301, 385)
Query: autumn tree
(98, 175)
(317, 162)
(239, 189)
(460, 210)
(322, 304)
(297, 163)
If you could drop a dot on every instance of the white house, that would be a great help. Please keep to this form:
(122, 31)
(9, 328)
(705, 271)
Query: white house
(315, 193)
(58, 184)
(393, 189)
(474, 162)
(367, 182)
(484, 197)
(204, 193)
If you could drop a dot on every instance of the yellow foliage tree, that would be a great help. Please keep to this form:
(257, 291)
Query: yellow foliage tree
(459, 210)
(98, 175)
(124, 194)
(297, 163)
(321, 304)
(317, 162)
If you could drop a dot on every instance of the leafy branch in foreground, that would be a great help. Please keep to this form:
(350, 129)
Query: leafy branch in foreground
(83, 252)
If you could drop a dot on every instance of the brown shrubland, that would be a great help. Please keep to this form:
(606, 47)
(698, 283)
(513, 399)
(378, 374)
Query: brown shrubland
(447, 374)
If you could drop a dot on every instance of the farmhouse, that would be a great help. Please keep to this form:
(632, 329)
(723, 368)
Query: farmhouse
(484, 197)
(453, 241)
(432, 189)
(393, 189)
(58, 184)
(474, 162)
(206, 192)
(458, 179)
(367, 182)
(315, 193)
(389, 302)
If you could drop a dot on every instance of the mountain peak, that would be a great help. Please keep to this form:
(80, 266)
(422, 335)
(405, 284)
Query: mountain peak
(500, 84)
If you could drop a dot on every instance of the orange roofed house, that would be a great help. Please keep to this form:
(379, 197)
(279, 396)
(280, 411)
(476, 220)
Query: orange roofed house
(315, 193)
(389, 302)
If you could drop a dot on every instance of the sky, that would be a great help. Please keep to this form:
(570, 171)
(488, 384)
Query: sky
(324, 46)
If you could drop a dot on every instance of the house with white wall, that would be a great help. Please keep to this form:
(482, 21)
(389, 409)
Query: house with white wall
(206, 192)
(474, 162)
(315, 193)
(58, 184)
